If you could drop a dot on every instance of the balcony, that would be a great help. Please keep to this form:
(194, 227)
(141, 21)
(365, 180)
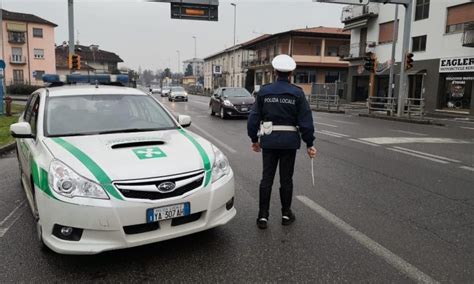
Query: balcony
(256, 63)
(358, 16)
(356, 51)
(18, 59)
(468, 35)
(16, 37)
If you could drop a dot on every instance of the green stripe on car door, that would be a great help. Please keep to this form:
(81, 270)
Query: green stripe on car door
(202, 152)
(97, 171)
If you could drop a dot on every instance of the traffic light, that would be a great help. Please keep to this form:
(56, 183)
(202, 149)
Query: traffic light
(409, 61)
(76, 62)
(369, 63)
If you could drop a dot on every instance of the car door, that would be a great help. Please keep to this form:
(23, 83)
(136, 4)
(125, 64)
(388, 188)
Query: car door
(23, 145)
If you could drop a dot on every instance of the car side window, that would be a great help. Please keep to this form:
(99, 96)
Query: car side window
(29, 107)
(34, 115)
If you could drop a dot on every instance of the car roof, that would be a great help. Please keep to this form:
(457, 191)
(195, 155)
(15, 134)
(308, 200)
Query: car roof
(92, 90)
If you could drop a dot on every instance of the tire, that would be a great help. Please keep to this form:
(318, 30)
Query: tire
(222, 113)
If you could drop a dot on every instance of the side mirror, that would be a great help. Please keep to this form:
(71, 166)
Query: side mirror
(21, 130)
(184, 120)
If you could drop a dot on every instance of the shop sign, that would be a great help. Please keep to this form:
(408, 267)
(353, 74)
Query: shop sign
(456, 64)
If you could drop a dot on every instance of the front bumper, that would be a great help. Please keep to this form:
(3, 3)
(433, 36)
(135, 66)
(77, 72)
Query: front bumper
(234, 111)
(179, 98)
(105, 222)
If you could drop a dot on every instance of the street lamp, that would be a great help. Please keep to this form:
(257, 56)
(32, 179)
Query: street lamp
(179, 61)
(233, 57)
(195, 52)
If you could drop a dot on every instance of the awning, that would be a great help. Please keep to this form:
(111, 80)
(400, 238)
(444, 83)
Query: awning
(356, 24)
(416, 71)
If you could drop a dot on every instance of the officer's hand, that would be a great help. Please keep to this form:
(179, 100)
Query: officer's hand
(256, 147)
(312, 152)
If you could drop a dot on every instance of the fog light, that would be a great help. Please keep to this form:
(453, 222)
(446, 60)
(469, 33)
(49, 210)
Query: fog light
(229, 204)
(66, 231)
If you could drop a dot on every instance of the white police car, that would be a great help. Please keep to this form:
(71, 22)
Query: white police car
(107, 167)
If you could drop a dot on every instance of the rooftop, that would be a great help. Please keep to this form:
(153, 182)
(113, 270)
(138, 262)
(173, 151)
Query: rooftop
(28, 18)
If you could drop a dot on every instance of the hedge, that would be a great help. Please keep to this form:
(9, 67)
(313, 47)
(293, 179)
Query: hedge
(21, 89)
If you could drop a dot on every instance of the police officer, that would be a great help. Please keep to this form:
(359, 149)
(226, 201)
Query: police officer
(279, 119)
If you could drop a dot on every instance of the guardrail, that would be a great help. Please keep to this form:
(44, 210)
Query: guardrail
(413, 106)
(324, 101)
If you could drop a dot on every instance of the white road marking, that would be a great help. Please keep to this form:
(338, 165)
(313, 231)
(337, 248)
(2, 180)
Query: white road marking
(335, 133)
(467, 168)
(4, 227)
(364, 142)
(409, 132)
(419, 156)
(330, 125)
(391, 258)
(210, 136)
(329, 134)
(426, 154)
(464, 127)
(403, 140)
(345, 122)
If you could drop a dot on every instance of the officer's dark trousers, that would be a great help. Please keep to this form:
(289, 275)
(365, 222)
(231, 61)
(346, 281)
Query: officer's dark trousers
(286, 161)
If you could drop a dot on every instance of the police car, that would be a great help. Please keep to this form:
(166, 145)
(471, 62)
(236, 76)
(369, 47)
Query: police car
(107, 167)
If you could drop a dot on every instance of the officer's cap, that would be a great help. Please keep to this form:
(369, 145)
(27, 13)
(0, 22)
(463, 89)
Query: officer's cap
(283, 63)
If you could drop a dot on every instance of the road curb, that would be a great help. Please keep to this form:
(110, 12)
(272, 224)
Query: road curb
(402, 119)
(7, 148)
(328, 111)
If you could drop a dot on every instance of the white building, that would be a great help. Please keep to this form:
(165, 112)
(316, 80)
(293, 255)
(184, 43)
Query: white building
(197, 64)
(233, 73)
(442, 41)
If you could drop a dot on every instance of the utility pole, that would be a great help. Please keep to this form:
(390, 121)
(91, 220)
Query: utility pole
(195, 49)
(394, 47)
(403, 88)
(70, 5)
(233, 56)
(179, 61)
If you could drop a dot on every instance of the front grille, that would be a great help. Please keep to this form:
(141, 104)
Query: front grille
(239, 107)
(154, 194)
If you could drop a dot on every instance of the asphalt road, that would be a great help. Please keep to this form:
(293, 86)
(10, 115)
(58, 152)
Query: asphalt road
(393, 202)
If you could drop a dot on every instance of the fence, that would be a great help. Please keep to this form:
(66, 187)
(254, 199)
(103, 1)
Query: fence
(326, 96)
(413, 106)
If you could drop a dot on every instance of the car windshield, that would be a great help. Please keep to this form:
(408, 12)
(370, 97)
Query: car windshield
(90, 114)
(235, 92)
(177, 89)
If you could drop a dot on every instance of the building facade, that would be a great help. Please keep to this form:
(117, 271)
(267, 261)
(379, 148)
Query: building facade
(27, 48)
(442, 41)
(315, 51)
(197, 64)
(93, 60)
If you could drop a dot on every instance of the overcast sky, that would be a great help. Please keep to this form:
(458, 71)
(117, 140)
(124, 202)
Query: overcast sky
(143, 34)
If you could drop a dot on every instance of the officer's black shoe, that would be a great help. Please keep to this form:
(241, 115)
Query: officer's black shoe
(287, 218)
(262, 220)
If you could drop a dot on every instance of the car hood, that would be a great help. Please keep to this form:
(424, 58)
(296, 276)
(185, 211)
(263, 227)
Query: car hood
(128, 156)
(241, 100)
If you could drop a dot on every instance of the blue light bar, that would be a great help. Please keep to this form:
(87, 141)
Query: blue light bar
(86, 79)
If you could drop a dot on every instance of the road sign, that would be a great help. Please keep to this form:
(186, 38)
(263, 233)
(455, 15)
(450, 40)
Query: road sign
(2, 64)
(216, 69)
(348, 2)
(187, 11)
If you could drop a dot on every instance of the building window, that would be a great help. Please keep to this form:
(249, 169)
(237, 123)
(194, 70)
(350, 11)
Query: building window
(331, 51)
(419, 43)
(386, 32)
(38, 75)
(331, 76)
(459, 17)
(38, 53)
(16, 37)
(422, 9)
(37, 32)
(17, 54)
(305, 77)
(318, 50)
(18, 77)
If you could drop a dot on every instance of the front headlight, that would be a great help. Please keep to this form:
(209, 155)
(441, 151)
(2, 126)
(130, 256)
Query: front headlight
(227, 103)
(221, 166)
(66, 182)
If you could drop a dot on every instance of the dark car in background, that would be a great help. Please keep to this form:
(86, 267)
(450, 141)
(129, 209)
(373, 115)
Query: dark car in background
(230, 101)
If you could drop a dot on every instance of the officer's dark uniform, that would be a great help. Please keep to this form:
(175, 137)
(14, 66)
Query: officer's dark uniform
(282, 103)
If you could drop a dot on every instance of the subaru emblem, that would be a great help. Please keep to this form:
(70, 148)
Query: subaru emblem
(166, 187)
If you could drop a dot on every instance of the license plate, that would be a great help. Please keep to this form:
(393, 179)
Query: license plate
(245, 109)
(167, 212)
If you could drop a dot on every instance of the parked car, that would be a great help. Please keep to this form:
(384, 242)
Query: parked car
(155, 90)
(178, 94)
(165, 91)
(107, 168)
(229, 101)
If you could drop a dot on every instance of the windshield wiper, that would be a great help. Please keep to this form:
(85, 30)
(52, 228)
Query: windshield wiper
(128, 130)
